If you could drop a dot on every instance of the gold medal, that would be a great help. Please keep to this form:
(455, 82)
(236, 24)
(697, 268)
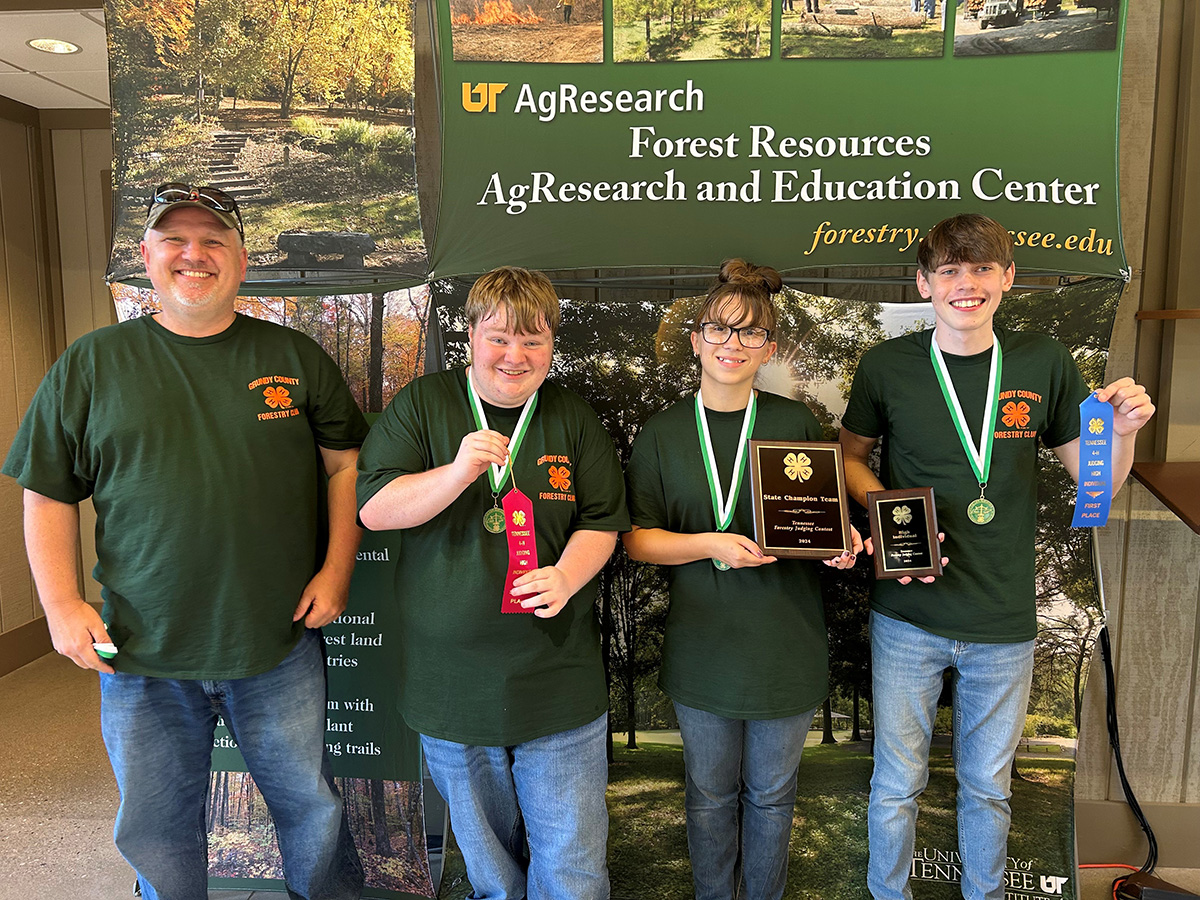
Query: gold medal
(981, 511)
(493, 520)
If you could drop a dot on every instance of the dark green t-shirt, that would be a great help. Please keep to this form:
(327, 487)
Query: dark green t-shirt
(471, 673)
(987, 591)
(745, 643)
(201, 458)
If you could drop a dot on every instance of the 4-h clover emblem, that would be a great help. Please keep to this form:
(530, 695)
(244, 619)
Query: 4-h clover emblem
(901, 515)
(797, 466)
(1016, 415)
(519, 517)
(560, 477)
(277, 397)
(1096, 426)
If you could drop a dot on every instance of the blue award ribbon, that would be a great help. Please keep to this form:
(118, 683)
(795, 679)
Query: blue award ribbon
(1094, 496)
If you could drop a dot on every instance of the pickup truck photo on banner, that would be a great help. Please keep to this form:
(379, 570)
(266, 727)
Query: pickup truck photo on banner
(680, 133)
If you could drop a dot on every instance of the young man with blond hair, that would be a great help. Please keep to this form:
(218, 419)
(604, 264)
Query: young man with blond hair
(505, 687)
(978, 619)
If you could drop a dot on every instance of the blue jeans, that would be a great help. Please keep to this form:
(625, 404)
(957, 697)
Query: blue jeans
(991, 693)
(159, 734)
(740, 769)
(530, 819)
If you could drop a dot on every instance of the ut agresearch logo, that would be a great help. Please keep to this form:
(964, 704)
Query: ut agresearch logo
(479, 97)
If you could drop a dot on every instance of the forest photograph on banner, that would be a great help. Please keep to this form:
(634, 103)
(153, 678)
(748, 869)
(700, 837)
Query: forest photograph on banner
(300, 110)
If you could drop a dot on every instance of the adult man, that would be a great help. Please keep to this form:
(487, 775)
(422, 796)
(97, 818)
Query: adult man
(978, 618)
(511, 708)
(197, 432)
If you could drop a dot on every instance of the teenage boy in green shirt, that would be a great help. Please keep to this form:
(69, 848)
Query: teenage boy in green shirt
(511, 708)
(978, 619)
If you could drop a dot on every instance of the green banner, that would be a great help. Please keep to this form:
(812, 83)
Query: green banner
(725, 147)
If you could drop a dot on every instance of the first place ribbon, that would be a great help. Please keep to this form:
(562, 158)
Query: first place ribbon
(1094, 495)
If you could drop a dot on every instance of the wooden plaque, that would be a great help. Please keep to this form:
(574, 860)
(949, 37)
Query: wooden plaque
(799, 498)
(904, 530)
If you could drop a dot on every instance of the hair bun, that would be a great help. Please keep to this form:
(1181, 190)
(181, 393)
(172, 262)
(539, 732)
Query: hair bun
(739, 271)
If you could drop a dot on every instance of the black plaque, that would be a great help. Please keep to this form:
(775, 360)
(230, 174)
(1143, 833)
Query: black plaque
(800, 509)
(904, 531)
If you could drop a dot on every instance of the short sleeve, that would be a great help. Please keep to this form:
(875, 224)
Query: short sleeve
(47, 456)
(600, 487)
(1062, 425)
(864, 415)
(393, 446)
(644, 484)
(336, 421)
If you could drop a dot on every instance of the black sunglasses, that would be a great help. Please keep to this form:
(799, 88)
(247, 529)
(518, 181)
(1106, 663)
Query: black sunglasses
(174, 191)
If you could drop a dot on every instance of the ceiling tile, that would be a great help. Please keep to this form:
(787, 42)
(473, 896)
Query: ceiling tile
(33, 90)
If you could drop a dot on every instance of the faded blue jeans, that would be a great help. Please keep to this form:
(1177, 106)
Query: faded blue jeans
(530, 819)
(991, 693)
(159, 734)
(740, 770)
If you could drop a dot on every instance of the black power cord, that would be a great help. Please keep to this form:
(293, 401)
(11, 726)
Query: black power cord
(1114, 741)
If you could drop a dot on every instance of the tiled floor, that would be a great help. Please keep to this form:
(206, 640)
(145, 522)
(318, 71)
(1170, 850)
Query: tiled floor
(58, 797)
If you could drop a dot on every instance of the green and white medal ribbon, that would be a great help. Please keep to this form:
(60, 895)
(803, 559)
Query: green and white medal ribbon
(723, 505)
(493, 519)
(982, 510)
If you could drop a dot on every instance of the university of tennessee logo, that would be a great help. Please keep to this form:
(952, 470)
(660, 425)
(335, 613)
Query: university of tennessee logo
(277, 396)
(1016, 415)
(476, 98)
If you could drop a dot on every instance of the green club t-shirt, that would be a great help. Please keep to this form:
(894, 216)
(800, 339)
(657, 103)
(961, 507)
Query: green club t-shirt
(470, 673)
(987, 591)
(201, 458)
(744, 643)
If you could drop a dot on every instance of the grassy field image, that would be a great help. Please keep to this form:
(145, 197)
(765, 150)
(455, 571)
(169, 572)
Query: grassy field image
(876, 30)
(659, 31)
(533, 31)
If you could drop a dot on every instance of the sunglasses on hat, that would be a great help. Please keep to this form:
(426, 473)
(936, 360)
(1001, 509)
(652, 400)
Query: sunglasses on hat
(218, 201)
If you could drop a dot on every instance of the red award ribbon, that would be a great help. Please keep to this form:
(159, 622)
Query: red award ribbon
(522, 547)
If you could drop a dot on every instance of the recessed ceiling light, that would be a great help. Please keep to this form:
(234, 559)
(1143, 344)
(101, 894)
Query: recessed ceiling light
(52, 45)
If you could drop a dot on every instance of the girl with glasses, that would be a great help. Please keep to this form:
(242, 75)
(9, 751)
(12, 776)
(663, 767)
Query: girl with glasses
(745, 655)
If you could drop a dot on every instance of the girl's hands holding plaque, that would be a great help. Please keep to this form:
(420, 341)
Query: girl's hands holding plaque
(846, 560)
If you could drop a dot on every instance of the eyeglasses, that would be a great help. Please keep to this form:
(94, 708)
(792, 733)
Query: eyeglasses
(174, 191)
(749, 336)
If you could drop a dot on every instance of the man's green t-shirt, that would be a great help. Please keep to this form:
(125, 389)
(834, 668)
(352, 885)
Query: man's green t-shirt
(745, 643)
(470, 673)
(987, 591)
(201, 458)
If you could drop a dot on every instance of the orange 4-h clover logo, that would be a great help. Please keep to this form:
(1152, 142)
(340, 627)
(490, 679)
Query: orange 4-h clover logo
(277, 397)
(519, 517)
(560, 478)
(1016, 415)
(1096, 426)
(797, 466)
